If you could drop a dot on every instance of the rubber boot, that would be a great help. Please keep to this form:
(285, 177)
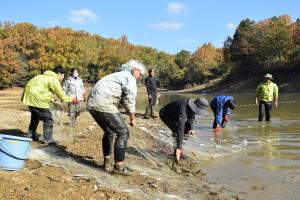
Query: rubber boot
(33, 135)
(153, 115)
(108, 164)
(122, 169)
(48, 136)
(147, 112)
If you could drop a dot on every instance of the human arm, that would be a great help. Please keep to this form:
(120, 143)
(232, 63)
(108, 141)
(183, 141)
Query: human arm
(132, 119)
(275, 95)
(129, 91)
(276, 101)
(219, 117)
(56, 88)
(183, 125)
(82, 91)
(66, 86)
(147, 83)
(257, 94)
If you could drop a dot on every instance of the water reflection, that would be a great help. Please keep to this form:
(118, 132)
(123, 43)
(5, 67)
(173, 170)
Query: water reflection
(277, 141)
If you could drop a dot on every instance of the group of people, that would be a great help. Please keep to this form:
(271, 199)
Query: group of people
(120, 88)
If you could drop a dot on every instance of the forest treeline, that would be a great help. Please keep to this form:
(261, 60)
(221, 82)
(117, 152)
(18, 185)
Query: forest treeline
(271, 45)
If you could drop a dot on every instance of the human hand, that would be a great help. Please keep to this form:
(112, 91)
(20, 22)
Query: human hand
(179, 154)
(133, 123)
(218, 129)
(276, 104)
(226, 118)
(191, 133)
(149, 96)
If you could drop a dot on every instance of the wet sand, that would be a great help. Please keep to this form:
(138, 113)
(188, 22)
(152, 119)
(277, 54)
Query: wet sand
(73, 169)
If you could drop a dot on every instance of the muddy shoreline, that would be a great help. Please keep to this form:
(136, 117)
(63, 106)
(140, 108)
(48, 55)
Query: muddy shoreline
(74, 168)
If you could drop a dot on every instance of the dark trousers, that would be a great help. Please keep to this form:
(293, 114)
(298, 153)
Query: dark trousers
(150, 109)
(111, 124)
(264, 107)
(44, 115)
(74, 111)
(152, 101)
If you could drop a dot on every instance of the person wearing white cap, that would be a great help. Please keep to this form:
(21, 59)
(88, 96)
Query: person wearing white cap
(266, 92)
(102, 103)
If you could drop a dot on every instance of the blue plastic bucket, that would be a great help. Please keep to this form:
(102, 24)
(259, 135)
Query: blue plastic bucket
(14, 151)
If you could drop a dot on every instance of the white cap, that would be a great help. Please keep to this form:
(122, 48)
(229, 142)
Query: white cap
(131, 64)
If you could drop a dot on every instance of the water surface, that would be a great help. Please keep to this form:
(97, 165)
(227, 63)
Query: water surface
(260, 160)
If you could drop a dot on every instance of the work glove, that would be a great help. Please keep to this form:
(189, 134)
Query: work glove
(226, 118)
(218, 129)
(74, 101)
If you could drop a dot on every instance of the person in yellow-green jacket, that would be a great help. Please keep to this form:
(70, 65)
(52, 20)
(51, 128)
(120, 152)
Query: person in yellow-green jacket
(266, 92)
(37, 95)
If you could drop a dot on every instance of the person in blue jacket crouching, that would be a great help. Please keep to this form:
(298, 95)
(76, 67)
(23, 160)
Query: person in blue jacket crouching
(221, 106)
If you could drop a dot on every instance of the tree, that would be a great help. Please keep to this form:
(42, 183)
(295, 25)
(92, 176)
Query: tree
(182, 59)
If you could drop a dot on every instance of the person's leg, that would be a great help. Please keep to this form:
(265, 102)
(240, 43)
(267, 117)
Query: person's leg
(72, 113)
(46, 117)
(107, 140)
(78, 109)
(118, 126)
(153, 103)
(268, 108)
(34, 122)
(260, 111)
(148, 109)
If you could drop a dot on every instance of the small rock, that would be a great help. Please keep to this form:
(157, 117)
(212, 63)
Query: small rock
(102, 194)
(96, 187)
(212, 193)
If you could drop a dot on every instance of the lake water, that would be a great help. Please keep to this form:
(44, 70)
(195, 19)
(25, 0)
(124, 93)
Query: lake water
(261, 160)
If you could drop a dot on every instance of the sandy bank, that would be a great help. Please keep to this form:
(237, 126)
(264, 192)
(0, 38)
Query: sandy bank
(73, 169)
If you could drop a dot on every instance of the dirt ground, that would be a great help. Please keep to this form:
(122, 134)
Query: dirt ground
(46, 180)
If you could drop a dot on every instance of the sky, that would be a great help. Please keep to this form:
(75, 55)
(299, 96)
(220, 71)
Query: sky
(169, 26)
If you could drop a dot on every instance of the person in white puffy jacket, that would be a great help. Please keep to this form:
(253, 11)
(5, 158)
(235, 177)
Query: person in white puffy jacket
(74, 87)
(102, 103)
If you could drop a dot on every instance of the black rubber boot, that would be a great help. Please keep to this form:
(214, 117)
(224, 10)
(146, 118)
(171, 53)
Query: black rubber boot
(48, 136)
(153, 115)
(147, 112)
(33, 135)
(108, 164)
(121, 169)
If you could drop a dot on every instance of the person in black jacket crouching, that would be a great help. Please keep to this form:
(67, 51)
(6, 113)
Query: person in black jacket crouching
(179, 116)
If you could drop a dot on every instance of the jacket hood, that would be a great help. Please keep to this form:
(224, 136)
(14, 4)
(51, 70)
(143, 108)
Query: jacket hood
(50, 73)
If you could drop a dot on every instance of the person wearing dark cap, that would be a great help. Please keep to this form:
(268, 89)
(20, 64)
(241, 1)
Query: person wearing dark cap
(221, 107)
(266, 92)
(37, 95)
(179, 116)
